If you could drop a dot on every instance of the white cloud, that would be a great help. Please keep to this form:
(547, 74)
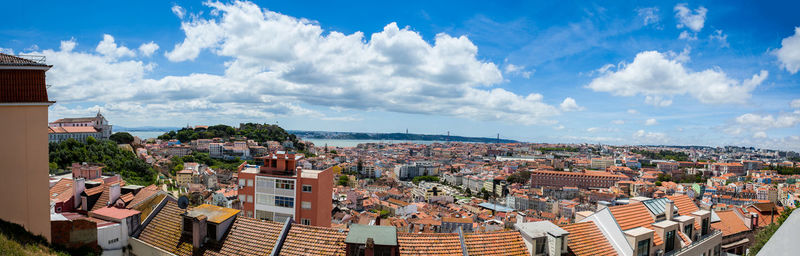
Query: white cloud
(559, 127)
(8, 51)
(512, 69)
(633, 111)
(148, 49)
(650, 121)
(657, 101)
(795, 103)
(688, 36)
(280, 65)
(618, 122)
(789, 53)
(109, 48)
(760, 135)
(593, 129)
(720, 37)
(764, 122)
(693, 20)
(650, 137)
(649, 15)
(653, 74)
(178, 11)
(67, 46)
(569, 104)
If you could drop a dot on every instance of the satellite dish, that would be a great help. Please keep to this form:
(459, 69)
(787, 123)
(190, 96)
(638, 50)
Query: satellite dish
(183, 202)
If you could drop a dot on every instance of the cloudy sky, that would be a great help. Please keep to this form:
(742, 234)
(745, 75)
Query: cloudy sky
(638, 72)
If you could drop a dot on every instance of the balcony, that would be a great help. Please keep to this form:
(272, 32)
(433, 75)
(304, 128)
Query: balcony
(705, 243)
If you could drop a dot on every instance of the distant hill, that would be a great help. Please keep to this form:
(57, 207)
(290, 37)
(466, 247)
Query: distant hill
(392, 136)
(145, 129)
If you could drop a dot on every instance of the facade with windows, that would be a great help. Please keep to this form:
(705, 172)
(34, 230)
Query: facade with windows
(279, 190)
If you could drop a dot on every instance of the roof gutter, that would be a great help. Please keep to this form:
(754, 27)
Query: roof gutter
(284, 232)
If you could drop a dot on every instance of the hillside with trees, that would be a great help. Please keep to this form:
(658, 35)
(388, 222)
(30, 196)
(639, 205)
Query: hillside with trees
(260, 133)
(116, 160)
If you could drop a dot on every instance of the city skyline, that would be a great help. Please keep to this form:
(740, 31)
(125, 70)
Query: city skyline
(704, 73)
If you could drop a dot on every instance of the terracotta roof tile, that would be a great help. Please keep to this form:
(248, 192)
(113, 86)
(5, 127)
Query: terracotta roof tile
(311, 240)
(164, 231)
(633, 216)
(248, 236)
(429, 244)
(586, 239)
(495, 243)
(62, 190)
(729, 223)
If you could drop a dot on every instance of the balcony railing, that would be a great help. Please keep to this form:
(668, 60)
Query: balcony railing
(694, 244)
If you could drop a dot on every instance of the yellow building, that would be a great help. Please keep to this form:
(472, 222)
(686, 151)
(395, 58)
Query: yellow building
(24, 151)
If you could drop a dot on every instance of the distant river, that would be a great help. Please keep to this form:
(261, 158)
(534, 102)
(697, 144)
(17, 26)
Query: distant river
(146, 135)
(353, 143)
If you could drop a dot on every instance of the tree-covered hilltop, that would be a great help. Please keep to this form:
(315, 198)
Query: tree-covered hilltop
(663, 155)
(395, 136)
(260, 133)
(116, 160)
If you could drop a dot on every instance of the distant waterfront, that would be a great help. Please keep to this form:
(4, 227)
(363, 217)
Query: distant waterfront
(317, 142)
(147, 134)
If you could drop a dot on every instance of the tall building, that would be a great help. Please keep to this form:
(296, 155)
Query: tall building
(80, 128)
(23, 153)
(280, 189)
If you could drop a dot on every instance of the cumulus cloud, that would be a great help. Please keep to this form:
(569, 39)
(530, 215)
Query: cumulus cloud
(569, 104)
(649, 15)
(282, 65)
(512, 69)
(686, 35)
(650, 121)
(110, 49)
(694, 20)
(618, 122)
(654, 74)
(760, 123)
(650, 137)
(178, 11)
(795, 103)
(8, 51)
(657, 101)
(720, 37)
(760, 135)
(633, 111)
(148, 49)
(789, 53)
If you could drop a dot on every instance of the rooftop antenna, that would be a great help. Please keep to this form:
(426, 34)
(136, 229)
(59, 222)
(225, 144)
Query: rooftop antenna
(498, 138)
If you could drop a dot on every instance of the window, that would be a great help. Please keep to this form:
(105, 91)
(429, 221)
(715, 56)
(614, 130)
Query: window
(242, 198)
(306, 188)
(705, 227)
(283, 201)
(305, 205)
(670, 243)
(284, 184)
(643, 248)
(249, 198)
(305, 222)
(687, 229)
(249, 183)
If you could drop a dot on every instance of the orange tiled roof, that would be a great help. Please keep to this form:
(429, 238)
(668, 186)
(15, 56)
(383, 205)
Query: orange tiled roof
(495, 243)
(586, 239)
(633, 216)
(249, 236)
(312, 240)
(164, 231)
(62, 190)
(429, 244)
(685, 206)
(729, 223)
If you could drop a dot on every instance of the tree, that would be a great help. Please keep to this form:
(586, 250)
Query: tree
(468, 192)
(343, 181)
(520, 177)
(485, 194)
(121, 138)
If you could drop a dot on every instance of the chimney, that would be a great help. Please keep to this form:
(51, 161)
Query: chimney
(196, 228)
(754, 220)
(114, 190)
(78, 185)
(669, 209)
(299, 172)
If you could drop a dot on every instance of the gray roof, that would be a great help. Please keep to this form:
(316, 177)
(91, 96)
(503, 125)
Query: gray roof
(657, 206)
(381, 235)
(536, 229)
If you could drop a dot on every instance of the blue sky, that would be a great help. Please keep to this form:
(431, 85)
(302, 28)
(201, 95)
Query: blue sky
(638, 72)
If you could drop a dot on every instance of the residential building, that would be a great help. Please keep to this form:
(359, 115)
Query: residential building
(87, 171)
(24, 151)
(279, 190)
(582, 179)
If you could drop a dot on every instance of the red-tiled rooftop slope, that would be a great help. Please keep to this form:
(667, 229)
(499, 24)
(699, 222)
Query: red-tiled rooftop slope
(495, 243)
(311, 240)
(21, 85)
(429, 244)
(685, 206)
(586, 239)
(249, 236)
(633, 216)
(164, 231)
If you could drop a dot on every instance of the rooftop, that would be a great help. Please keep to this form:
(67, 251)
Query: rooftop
(213, 213)
(381, 235)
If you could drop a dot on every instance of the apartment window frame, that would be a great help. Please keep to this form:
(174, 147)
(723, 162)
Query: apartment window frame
(307, 188)
(687, 230)
(669, 244)
(249, 182)
(283, 201)
(643, 247)
(284, 184)
(705, 227)
(305, 205)
(305, 222)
